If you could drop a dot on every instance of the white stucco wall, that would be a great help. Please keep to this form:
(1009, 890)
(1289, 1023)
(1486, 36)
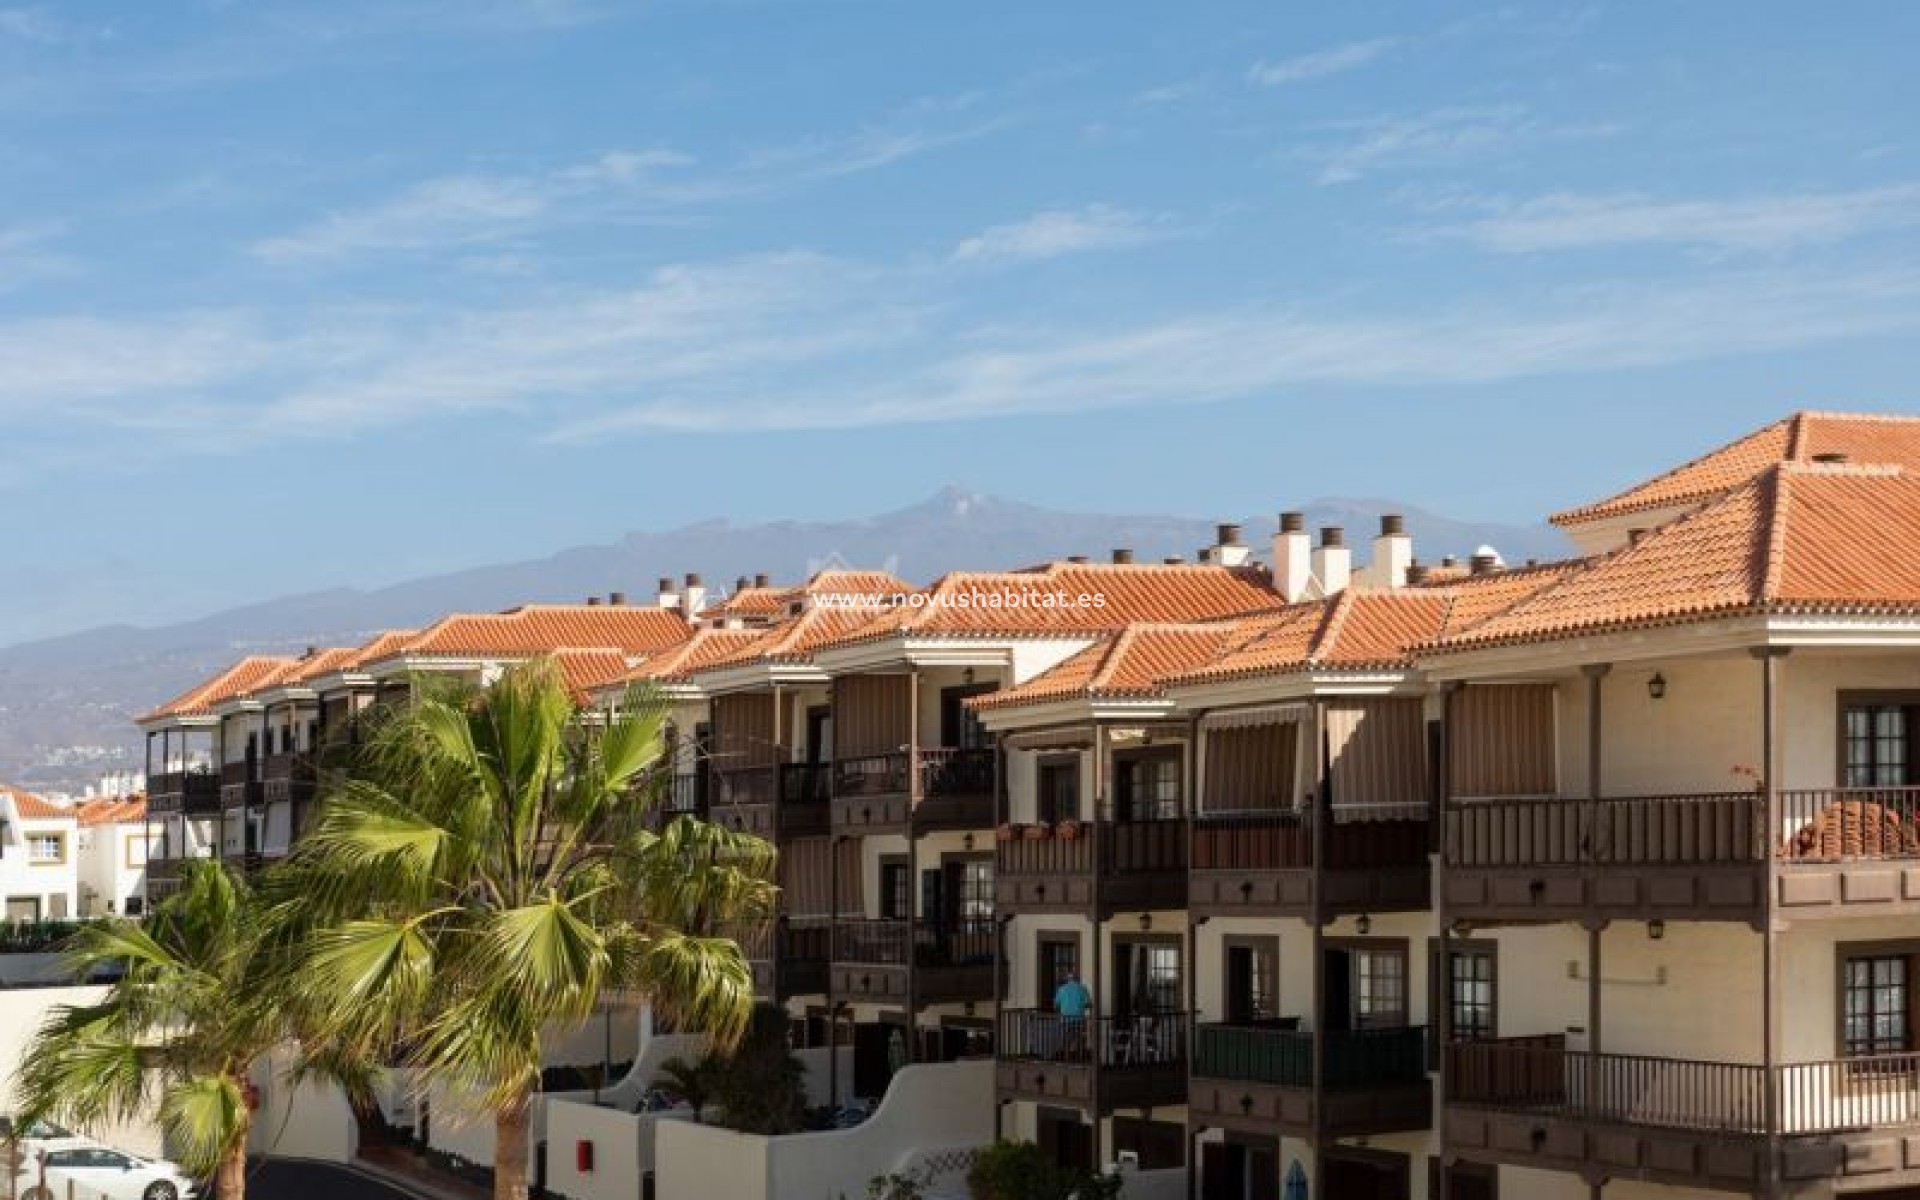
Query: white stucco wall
(624, 1150)
(928, 1109)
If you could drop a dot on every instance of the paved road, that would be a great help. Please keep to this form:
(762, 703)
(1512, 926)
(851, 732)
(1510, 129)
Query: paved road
(315, 1181)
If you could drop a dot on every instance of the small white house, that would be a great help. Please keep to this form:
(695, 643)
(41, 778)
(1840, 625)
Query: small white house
(112, 861)
(38, 856)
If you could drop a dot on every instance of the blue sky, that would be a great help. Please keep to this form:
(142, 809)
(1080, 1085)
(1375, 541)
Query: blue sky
(294, 295)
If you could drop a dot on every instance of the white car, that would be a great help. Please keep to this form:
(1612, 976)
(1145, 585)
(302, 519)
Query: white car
(109, 1173)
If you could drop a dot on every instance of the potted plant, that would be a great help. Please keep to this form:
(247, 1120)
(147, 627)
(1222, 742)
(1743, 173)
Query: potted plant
(1069, 830)
(1039, 832)
(1007, 832)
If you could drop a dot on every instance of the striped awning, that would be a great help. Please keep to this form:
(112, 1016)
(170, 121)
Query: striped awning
(1266, 714)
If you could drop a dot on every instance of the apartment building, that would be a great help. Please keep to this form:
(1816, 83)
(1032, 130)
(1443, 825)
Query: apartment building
(38, 857)
(1588, 878)
(111, 859)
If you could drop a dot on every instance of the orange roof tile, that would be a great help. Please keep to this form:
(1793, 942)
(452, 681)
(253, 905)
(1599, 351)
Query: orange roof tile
(1796, 538)
(590, 668)
(1132, 662)
(1805, 437)
(320, 662)
(237, 680)
(31, 807)
(962, 604)
(749, 603)
(703, 649)
(126, 809)
(543, 628)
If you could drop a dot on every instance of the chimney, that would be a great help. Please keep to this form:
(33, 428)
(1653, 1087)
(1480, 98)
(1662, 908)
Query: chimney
(762, 580)
(1416, 573)
(696, 593)
(1077, 560)
(1332, 561)
(1227, 549)
(617, 599)
(1173, 560)
(1483, 564)
(740, 584)
(593, 602)
(1292, 561)
(1392, 554)
(1122, 556)
(669, 595)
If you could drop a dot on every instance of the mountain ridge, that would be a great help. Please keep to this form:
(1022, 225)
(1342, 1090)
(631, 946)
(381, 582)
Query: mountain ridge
(66, 702)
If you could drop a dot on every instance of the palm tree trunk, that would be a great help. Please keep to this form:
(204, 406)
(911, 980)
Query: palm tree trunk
(510, 1148)
(230, 1180)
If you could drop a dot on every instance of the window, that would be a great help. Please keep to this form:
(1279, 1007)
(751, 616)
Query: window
(47, 847)
(1379, 989)
(896, 898)
(1874, 742)
(1160, 1145)
(1059, 958)
(1148, 786)
(23, 908)
(974, 899)
(1252, 967)
(960, 727)
(1147, 977)
(1470, 993)
(1059, 794)
(1876, 1012)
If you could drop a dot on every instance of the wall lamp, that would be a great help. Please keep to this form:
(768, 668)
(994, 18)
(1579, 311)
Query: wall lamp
(1364, 924)
(1656, 929)
(1146, 922)
(1657, 686)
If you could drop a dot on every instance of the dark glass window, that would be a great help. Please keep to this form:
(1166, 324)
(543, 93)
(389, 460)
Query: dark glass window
(1875, 1005)
(1059, 791)
(1471, 992)
(896, 898)
(1875, 739)
(1149, 788)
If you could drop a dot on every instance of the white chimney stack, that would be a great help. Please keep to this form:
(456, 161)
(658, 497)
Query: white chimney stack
(1292, 557)
(1332, 561)
(696, 597)
(1392, 554)
(669, 595)
(1227, 549)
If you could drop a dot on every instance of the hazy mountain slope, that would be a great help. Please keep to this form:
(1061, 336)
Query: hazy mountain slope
(66, 702)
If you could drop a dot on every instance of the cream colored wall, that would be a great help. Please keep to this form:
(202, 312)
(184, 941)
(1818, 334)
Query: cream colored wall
(309, 1121)
(1023, 781)
(1809, 954)
(1693, 994)
(624, 1149)
(1295, 998)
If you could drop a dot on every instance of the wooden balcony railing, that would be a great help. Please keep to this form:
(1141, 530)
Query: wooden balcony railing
(891, 942)
(1533, 1076)
(1124, 848)
(686, 795)
(1156, 1040)
(746, 785)
(871, 775)
(1282, 1055)
(806, 783)
(188, 790)
(1723, 827)
(1849, 824)
(1283, 841)
(236, 772)
(944, 771)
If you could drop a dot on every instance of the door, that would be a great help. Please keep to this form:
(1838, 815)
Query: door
(1059, 791)
(1240, 1169)
(1364, 1175)
(1251, 976)
(1059, 958)
(960, 729)
(1065, 1139)
(1336, 969)
(872, 1067)
(820, 734)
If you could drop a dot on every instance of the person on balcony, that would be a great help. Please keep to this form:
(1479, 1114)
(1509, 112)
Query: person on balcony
(1073, 1001)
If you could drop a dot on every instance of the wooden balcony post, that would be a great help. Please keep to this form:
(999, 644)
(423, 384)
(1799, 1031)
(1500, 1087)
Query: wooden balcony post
(916, 785)
(1322, 820)
(1098, 828)
(1770, 657)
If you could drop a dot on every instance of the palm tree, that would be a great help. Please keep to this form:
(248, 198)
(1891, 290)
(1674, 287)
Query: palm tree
(488, 869)
(691, 1081)
(193, 1012)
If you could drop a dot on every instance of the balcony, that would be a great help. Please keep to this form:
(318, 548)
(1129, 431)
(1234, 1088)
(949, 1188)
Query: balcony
(240, 785)
(288, 778)
(789, 957)
(1122, 1062)
(1849, 852)
(1261, 864)
(873, 793)
(1141, 865)
(1531, 1102)
(1255, 1077)
(686, 796)
(1685, 857)
(905, 962)
(775, 801)
(194, 792)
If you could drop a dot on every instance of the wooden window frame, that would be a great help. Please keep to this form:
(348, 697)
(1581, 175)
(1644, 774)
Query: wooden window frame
(1124, 802)
(1044, 764)
(1144, 940)
(1846, 952)
(884, 900)
(1268, 944)
(1043, 999)
(1440, 997)
(1907, 698)
(1376, 945)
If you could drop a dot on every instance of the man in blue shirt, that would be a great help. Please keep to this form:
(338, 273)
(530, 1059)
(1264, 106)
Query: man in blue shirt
(1073, 1001)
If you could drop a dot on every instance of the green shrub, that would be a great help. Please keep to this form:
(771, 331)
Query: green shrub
(1022, 1171)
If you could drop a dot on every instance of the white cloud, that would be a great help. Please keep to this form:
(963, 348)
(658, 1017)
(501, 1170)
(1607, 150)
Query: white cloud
(1334, 60)
(463, 210)
(1441, 137)
(1753, 223)
(1061, 231)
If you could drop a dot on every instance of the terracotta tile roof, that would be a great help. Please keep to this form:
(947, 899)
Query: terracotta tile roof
(31, 807)
(702, 650)
(588, 669)
(1130, 593)
(112, 812)
(1796, 538)
(1805, 437)
(1132, 662)
(237, 680)
(833, 605)
(749, 603)
(543, 628)
(321, 662)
